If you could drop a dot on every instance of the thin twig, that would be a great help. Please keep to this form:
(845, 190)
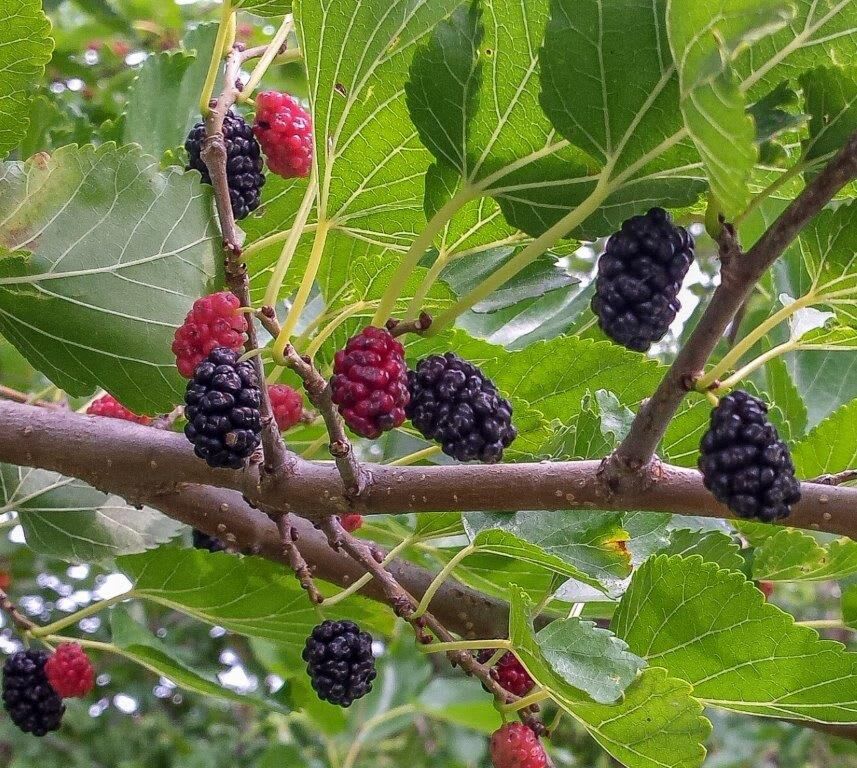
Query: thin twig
(22, 397)
(739, 274)
(404, 604)
(401, 327)
(11, 610)
(846, 476)
(288, 536)
(318, 391)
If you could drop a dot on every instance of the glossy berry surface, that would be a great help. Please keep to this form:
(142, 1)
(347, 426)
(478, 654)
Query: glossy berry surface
(509, 673)
(340, 663)
(639, 278)
(284, 129)
(370, 382)
(213, 321)
(287, 404)
(69, 671)
(744, 463)
(109, 406)
(243, 163)
(222, 409)
(516, 746)
(33, 705)
(455, 404)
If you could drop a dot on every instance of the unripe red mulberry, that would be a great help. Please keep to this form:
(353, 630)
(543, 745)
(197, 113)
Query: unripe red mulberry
(69, 671)
(213, 321)
(284, 129)
(287, 405)
(109, 406)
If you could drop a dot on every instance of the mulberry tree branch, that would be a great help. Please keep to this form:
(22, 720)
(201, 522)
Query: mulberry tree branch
(739, 274)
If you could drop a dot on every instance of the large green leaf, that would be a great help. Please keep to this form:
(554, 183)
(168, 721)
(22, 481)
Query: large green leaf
(792, 555)
(135, 643)
(829, 448)
(713, 628)
(713, 106)
(66, 518)
(849, 606)
(656, 723)
(247, 595)
(711, 546)
(101, 256)
(830, 95)
(25, 48)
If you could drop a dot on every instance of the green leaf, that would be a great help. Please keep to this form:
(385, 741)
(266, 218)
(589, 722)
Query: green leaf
(247, 595)
(25, 48)
(441, 524)
(656, 723)
(786, 395)
(456, 701)
(849, 606)
(163, 102)
(714, 629)
(711, 546)
(589, 658)
(792, 555)
(584, 545)
(105, 256)
(830, 94)
(136, 644)
(264, 7)
(713, 106)
(829, 448)
(66, 518)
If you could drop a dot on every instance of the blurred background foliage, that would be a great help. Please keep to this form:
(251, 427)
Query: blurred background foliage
(422, 713)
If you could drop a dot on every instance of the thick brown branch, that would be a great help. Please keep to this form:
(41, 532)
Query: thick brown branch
(134, 461)
(738, 276)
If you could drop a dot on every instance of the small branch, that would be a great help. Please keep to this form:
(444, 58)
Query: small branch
(7, 393)
(401, 327)
(739, 274)
(11, 610)
(846, 476)
(288, 536)
(319, 394)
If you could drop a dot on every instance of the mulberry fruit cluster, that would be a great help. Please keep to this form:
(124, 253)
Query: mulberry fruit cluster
(516, 746)
(213, 321)
(639, 277)
(34, 706)
(287, 405)
(109, 406)
(370, 382)
(340, 663)
(455, 404)
(284, 129)
(243, 162)
(509, 673)
(222, 409)
(744, 463)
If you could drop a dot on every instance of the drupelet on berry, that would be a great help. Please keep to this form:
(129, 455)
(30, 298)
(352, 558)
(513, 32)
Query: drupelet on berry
(340, 662)
(213, 321)
(514, 745)
(109, 406)
(284, 129)
(287, 405)
(69, 671)
(33, 705)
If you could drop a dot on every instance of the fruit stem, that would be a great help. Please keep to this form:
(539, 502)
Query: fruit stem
(758, 362)
(313, 447)
(466, 645)
(277, 42)
(823, 624)
(367, 577)
(300, 301)
(73, 618)
(746, 344)
(525, 257)
(527, 701)
(371, 723)
(757, 200)
(438, 580)
(290, 246)
(216, 57)
(413, 458)
(416, 303)
(420, 245)
(331, 327)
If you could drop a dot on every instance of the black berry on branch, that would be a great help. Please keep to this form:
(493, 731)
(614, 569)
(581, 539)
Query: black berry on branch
(284, 129)
(109, 406)
(744, 463)
(213, 321)
(69, 671)
(509, 672)
(455, 404)
(204, 541)
(370, 382)
(287, 404)
(639, 277)
(340, 663)
(222, 409)
(243, 162)
(32, 704)
(516, 746)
